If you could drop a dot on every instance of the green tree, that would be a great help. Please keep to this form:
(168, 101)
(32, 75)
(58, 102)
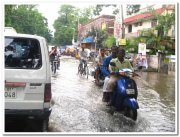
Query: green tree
(130, 9)
(66, 26)
(155, 42)
(110, 41)
(132, 45)
(8, 12)
(85, 15)
(100, 7)
(26, 19)
(100, 35)
(165, 22)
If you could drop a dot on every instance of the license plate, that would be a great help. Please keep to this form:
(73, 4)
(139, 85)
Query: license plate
(130, 91)
(10, 93)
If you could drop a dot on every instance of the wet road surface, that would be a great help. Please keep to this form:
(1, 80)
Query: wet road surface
(78, 107)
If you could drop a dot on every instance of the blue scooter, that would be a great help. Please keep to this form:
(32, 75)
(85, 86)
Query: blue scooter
(125, 94)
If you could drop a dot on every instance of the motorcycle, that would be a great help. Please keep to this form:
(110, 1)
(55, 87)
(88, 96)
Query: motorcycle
(125, 94)
(100, 77)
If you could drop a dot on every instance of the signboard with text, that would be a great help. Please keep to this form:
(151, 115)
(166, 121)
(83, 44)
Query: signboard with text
(142, 48)
(122, 42)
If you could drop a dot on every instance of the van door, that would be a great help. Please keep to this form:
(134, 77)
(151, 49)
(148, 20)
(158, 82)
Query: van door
(25, 73)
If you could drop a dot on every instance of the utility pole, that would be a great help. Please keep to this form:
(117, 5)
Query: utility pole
(78, 31)
(122, 16)
(95, 40)
(73, 36)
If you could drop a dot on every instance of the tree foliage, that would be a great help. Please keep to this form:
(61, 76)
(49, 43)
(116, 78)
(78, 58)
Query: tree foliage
(100, 7)
(26, 19)
(132, 45)
(99, 35)
(130, 9)
(110, 41)
(165, 22)
(66, 25)
(155, 42)
(8, 12)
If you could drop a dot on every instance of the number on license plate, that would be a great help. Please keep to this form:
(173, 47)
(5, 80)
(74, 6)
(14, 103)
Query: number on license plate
(10, 92)
(130, 91)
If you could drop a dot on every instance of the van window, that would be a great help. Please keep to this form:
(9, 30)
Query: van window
(22, 53)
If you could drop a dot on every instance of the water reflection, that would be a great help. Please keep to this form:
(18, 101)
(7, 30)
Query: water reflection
(157, 99)
(163, 84)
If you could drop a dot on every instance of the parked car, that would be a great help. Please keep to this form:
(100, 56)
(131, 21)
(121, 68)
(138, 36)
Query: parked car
(27, 79)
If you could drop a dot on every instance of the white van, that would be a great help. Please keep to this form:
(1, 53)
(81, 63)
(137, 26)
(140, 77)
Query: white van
(27, 78)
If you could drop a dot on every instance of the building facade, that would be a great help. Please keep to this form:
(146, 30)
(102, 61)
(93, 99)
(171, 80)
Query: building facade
(103, 22)
(134, 24)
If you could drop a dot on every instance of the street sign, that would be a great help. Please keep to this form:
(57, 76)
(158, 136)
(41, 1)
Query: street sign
(122, 42)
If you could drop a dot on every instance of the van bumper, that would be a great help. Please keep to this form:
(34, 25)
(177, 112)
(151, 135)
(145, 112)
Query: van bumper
(28, 114)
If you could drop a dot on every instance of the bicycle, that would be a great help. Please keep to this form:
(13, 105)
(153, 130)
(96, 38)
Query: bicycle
(83, 69)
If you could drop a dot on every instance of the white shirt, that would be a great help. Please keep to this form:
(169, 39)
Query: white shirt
(84, 54)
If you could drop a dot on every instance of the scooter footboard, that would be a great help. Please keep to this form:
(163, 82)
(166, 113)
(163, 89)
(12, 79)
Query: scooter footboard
(131, 102)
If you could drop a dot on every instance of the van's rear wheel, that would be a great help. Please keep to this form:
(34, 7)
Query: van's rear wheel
(44, 125)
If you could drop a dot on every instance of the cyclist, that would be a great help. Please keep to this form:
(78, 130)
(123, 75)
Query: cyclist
(84, 54)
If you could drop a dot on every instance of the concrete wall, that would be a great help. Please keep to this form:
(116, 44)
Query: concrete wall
(171, 66)
(155, 62)
(152, 61)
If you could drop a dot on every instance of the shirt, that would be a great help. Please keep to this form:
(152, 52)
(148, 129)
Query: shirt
(84, 54)
(105, 67)
(119, 65)
(100, 59)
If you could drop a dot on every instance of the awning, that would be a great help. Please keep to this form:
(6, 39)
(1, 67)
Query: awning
(87, 40)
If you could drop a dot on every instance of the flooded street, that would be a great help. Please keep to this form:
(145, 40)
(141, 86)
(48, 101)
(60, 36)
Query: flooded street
(77, 104)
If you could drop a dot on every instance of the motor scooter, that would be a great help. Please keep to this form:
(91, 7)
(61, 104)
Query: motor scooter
(125, 94)
(100, 77)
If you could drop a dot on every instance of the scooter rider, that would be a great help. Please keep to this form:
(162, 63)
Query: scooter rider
(105, 71)
(120, 63)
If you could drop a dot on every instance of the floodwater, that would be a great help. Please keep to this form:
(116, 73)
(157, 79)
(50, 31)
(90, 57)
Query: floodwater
(77, 105)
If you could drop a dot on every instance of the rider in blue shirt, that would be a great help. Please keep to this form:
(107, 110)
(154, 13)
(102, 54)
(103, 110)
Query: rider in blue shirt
(105, 66)
(105, 71)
